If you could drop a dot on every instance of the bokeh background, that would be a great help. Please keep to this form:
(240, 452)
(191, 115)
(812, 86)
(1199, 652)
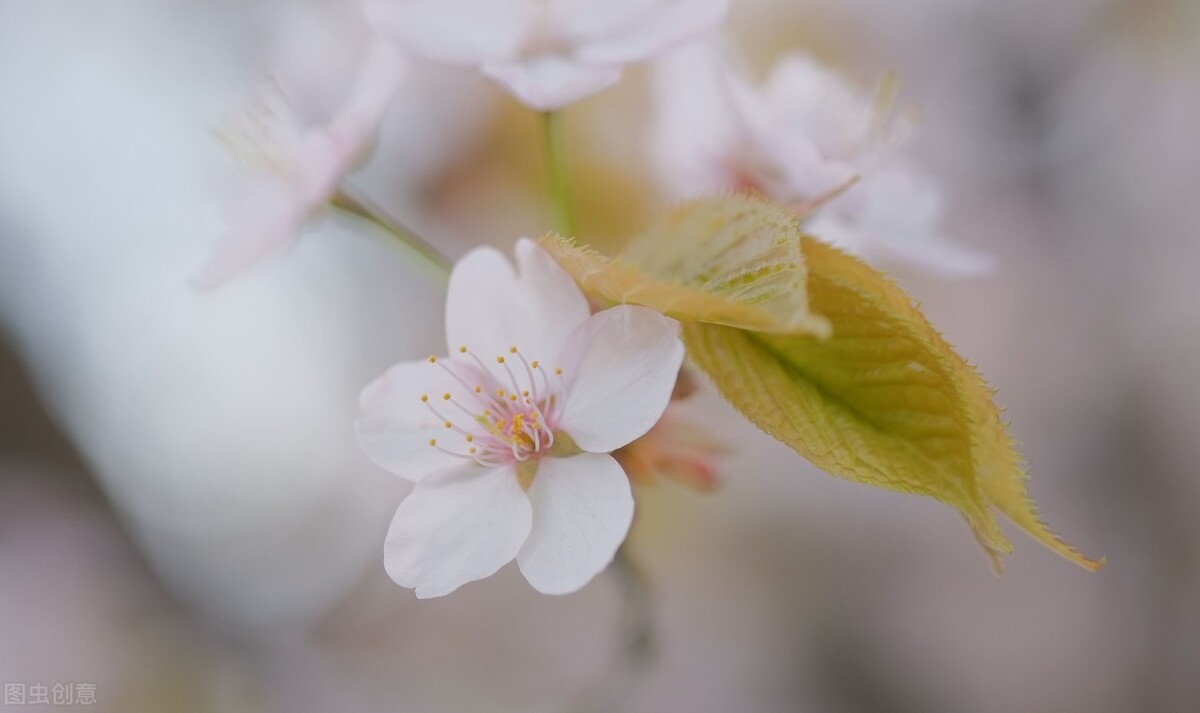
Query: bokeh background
(186, 521)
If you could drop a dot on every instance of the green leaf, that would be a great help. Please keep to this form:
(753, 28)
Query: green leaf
(884, 401)
(733, 260)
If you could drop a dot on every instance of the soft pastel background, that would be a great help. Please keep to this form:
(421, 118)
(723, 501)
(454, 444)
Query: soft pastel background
(186, 521)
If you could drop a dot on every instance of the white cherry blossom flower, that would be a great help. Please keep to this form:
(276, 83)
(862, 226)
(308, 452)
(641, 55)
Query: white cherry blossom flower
(508, 438)
(800, 138)
(293, 171)
(546, 53)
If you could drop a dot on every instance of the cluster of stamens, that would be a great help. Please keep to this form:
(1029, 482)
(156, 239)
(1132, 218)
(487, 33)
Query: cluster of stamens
(501, 424)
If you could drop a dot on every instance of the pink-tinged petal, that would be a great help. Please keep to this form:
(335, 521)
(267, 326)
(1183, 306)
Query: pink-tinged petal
(658, 28)
(817, 102)
(282, 193)
(582, 510)
(379, 76)
(900, 216)
(454, 31)
(481, 304)
(938, 255)
(696, 142)
(551, 81)
(457, 526)
(552, 302)
(620, 367)
(264, 222)
(396, 426)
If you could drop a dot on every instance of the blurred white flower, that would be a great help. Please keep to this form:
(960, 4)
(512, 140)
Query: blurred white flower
(292, 171)
(511, 454)
(804, 138)
(546, 53)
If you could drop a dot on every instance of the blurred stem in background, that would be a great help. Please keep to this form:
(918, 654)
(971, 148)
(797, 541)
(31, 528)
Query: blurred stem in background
(556, 172)
(635, 647)
(363, 208)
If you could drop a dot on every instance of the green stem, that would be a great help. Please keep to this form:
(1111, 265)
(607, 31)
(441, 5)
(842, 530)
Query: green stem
(636, 647)
(556, 172)
(363, 208)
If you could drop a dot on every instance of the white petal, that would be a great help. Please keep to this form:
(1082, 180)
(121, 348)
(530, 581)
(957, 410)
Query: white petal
(549, 82)
(379, 75)
(396, 425)
(455, 527)
(481, 304)
(659, 27)
(620, 367)
(552, 301)
(694, 136)
(490, 309)
(940, 256)
(266, 221)
(453, 31)
(270, 216)
(582, 509)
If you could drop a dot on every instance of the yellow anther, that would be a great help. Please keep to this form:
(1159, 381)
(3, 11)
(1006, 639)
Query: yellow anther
(433, 441)
(525, 393)
(446, 396)
(447, 424)
(512, 350)
(462, 350)
(535, 364)
(470, 438)
(499, 360)
(432, 359)
(518, 432)
(472, 450)
(512, 397)
(424, 398)
(478, 389)
(500, 393)
(558, 371)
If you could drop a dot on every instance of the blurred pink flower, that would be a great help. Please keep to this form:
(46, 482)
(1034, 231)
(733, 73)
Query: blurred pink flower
(804, 138)
(522, 468)
(292, 170)
(676, 449)
(546, 53)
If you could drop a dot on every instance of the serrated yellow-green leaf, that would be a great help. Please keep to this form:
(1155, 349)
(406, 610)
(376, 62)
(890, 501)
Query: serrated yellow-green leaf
(884, 401)
(733, 260)
(1000, 469)
(1002, 475)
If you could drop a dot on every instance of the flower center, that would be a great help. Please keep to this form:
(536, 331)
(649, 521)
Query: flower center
(502, 420)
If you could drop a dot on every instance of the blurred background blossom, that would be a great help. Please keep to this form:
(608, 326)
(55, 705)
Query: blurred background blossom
(186, 520)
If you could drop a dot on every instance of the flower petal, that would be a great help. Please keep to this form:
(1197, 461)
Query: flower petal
(379, 75)
(582, 509)
(551, 81)
(269, 214)
(266, 222)
(695, 135)
(490, 309)
(620, 367)
(455, 527)
(550, 298)
(481, 304)
(396, 425)
(453, 31)
(651, 31)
